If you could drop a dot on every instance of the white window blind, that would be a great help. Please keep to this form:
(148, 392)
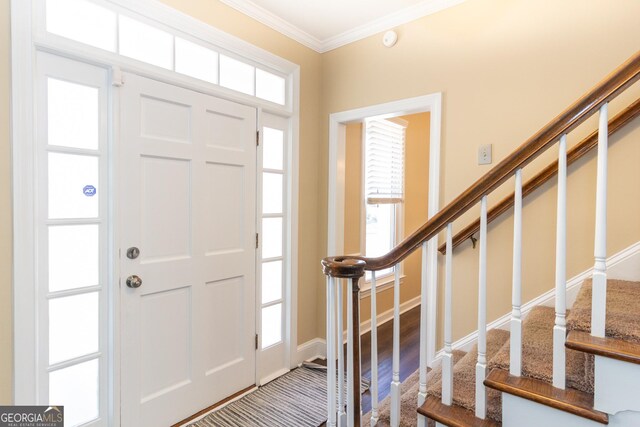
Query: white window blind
(384, 151)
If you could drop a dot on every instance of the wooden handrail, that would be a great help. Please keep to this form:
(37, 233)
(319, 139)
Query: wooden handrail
(575, 153)
(615, 83)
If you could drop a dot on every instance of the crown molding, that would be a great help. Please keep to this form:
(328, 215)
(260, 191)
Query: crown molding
(272, 20)
(411, 13)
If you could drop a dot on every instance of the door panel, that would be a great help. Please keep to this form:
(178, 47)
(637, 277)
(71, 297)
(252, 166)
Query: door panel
(225, 229)
(224, 343)
(165, 341)
(188, 203)
(165, 205)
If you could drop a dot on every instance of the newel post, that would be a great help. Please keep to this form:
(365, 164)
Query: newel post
(351, 269)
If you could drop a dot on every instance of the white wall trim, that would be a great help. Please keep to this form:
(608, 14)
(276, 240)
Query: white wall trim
(275, 22)
(411, 13)
(403, 16)
(386, 316)
(619, 266)
(337, 142)
(386, 282)
(293, 185)
(310, 350)
(317, 347)
(24, 262)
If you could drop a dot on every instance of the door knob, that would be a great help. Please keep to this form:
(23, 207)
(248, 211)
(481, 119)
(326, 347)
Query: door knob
(134, 281)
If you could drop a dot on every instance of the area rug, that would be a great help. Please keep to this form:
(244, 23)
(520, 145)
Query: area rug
(296, 399)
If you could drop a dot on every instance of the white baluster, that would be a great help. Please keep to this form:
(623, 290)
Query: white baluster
(342, 415)
(481, 365)
(395, 379)
(350, 379)
(599, 295)
(560, 329)
(515, 350)
(374, 352)
(447, 360)
(331, 358)
(422, 388)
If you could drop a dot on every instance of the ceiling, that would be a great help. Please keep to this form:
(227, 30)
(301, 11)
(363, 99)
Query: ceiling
(324, 25)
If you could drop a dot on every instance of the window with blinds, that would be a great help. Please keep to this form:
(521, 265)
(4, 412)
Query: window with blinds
(384, 161)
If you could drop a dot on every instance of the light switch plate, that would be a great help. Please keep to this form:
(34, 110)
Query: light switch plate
(484, 154)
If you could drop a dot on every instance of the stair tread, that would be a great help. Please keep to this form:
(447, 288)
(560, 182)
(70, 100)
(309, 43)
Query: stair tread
(464, 374)
(623, 298)
(609, 347)
(409, 397)
(453, 416)
(537, 353)
(570, 400)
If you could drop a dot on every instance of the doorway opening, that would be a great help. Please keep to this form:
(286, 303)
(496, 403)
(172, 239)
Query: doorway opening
(352, 124)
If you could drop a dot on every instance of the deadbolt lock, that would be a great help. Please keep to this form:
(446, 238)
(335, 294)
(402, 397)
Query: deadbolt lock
(133, 252)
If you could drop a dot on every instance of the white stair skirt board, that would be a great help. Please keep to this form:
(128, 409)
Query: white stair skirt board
(518, 412)
(624, 265)
(617, 386)
(625, 419)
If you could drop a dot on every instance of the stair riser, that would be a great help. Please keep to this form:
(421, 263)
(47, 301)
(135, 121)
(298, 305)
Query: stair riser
(518, 412)
(625, 419)
(617, 385)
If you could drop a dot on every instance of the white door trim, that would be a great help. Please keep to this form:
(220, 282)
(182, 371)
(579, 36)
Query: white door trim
(337, 138)
(26, 39)
(24, 265)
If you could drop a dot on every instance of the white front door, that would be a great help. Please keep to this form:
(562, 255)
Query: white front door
(187, 179)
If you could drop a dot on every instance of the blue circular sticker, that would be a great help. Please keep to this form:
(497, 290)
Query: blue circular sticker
(89, 190)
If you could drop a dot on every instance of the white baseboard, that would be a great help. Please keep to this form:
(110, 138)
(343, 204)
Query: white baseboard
(310, 350)
(317, 347)
(624, 265)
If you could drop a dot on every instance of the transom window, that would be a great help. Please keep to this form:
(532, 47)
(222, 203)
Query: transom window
(87, 22)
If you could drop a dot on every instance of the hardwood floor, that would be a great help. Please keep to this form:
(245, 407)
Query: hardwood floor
(409, 354)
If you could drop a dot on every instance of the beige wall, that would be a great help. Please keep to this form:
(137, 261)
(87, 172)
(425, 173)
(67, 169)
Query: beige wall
(6, 325)
(352, 188)
(415, 204)
(505, 68)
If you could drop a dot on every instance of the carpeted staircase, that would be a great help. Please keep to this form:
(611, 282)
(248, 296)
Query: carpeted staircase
(623, 323)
